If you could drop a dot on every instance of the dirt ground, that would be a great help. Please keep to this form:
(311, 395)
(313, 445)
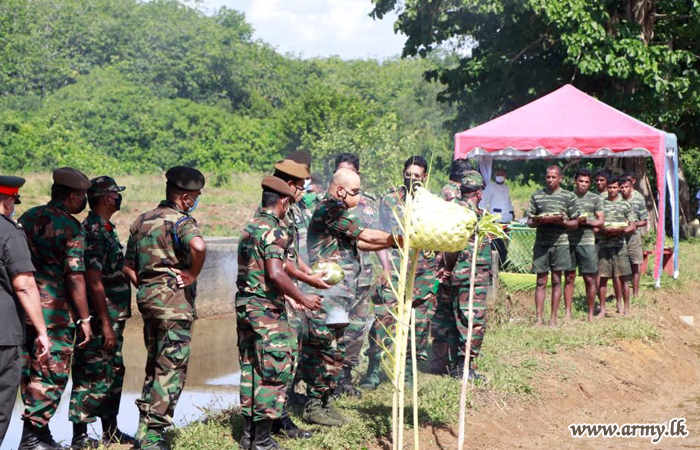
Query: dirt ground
(632, 382)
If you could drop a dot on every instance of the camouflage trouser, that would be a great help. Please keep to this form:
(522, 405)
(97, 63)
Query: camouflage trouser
(443, 327)
(384, 301)
(98, 377)
(266, 351)
(461, 314)
(43, 385)
(168, 348)
(357, 330)
(323, 353)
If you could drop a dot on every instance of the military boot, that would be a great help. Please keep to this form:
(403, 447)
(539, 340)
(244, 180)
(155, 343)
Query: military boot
(438, 360)
(81, 440)
(286, 427)
(111, 433)
(34, 438)
(329, 406)
(314, 412)
(141, 429)
(263, 440)
(346, 385)
(246, 441)
(371, 380)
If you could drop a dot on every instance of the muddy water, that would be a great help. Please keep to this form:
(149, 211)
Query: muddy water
(212, 380)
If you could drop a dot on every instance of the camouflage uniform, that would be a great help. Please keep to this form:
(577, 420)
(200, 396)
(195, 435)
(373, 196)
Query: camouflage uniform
(424, 288)
(266, 345)
(98, 375)
(451, 191)
(57, 244)
(613, 259)
(366, 210)
(332, 236)
(159, 240)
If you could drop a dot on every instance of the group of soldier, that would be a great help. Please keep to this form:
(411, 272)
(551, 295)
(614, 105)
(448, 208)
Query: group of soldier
(598, 233)
(286, 315)
(74, 280)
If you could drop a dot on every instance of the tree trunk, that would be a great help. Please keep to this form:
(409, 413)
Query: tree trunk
(684, 205)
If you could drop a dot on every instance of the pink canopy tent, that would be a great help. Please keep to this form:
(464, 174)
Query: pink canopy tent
(568, 123)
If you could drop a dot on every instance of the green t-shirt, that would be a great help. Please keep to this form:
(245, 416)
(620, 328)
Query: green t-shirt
(560, 201)
(616, 211)
(590, 204)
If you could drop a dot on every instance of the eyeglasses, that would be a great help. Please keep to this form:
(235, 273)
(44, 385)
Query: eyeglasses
(354, 192)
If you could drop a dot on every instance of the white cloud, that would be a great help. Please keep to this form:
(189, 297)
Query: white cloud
(319, 27)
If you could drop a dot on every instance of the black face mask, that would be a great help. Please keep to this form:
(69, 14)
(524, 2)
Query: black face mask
(82, 206)
(118, 202)
(410, 184)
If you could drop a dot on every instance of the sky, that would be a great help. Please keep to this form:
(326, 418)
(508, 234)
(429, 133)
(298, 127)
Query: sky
(314, 28)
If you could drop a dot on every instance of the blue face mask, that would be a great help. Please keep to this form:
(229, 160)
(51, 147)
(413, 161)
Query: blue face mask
(196, 203)
(307, 184)
(12, 214)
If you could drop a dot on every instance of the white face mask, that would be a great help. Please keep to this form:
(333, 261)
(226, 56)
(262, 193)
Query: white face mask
(307, 184)
(500, 179)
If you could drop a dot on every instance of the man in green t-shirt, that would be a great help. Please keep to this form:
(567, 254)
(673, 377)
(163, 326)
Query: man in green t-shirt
(634, 241)
(553, 211)
(582, 243)
(612, 252)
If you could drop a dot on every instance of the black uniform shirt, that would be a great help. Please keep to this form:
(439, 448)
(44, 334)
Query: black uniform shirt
(14, 259)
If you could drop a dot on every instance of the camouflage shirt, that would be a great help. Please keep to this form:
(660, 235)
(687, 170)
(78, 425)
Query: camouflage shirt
(639, 207)
(366, 210)
(616, 211)
(590, 204)
(333, 234)
(462, 271)
(103, 253)
(57, 244)
(560, 201)
(263, 238)
(451, 191)
(155, 246)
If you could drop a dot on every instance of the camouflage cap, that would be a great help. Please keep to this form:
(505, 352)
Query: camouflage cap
(301, 157)
(9, 185)
(72, 178)
(102, 185)
(472, 179)
(185, 178)
(293, 168)
(278, 185)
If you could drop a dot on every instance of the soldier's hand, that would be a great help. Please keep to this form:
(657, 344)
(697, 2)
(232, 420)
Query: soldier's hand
(184, 278)
(295, 306)
(110, 338)
(317, 281)
(312, 302)
(42, 347)
(87, 332)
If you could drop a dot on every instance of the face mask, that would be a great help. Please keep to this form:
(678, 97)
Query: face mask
(83, 205)
(307, 184)
(410, 183)
(500, 179)
(118, 202)
(196, 203)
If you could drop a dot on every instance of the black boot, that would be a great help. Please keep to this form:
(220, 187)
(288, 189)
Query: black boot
(263, 440)
(111, 433)
(286, 427)
(34, 438)
(248, 433)
(81, 440)
(346, 384)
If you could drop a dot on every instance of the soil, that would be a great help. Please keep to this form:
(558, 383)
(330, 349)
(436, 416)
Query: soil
(631, 382)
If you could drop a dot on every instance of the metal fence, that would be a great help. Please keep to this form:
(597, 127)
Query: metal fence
(520, 247)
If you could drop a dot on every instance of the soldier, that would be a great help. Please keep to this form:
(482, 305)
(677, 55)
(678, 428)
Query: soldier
(18, 295)
(267, 348)
(458, 270)
(164, 256)
(601, 181)
(335, 234)
(356, 331)
(582, 247)
(57, 245)
(451, 190)
(98, 369)
(553, 211)
(613, 259)
(634, 241)
(424, 291)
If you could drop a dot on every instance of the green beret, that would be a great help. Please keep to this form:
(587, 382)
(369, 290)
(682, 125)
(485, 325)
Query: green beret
(278, 185)
(185, 178)
(102, 185)
(72, 178)
(472, 179)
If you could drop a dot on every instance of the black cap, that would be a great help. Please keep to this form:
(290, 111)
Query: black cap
(185, 178)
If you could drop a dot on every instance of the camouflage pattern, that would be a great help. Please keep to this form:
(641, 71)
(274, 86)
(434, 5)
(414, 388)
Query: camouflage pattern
(57, 244)
(424, 288)
(442, 325)
(639, 207)
(473, 179)
(266, 353)
(98, 377)
(155, 246)
(451, 191)
(560, 201)
(104, 253)
(591, 204)
(264, 237)
(616, 211)
(168, 349)
(304, 211)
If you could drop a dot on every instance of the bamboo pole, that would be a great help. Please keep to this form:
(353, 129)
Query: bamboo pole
(470, 327)
(416, 430)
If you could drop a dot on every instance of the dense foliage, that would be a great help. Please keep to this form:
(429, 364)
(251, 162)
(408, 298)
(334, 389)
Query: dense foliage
(134, 87)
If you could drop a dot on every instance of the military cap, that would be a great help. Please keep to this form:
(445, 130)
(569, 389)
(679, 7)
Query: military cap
(278, 185)
(185, 178)
(300, 156)
(316, 178)
(72, 178)
(472, 179)
(10, 185)
(102, 185)
(293, 168)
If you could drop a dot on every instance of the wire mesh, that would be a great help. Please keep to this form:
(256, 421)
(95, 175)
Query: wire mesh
(520, 249)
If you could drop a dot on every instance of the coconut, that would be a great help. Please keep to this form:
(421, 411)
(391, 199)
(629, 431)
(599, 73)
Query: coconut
(334, 273)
